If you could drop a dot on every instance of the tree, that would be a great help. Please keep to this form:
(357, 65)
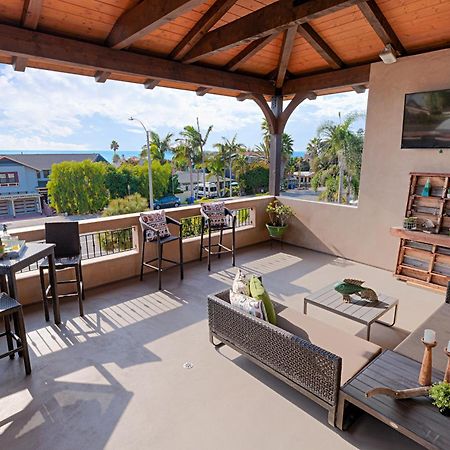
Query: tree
(256, 179)
(336, 138)
(158, 146)
(183, 158)
(78, 187)
(115, 147)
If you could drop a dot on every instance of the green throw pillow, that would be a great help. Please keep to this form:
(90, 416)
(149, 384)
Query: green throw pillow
(258, 292)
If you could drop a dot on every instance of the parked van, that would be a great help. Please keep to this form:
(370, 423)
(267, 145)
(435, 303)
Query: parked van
(208, 190)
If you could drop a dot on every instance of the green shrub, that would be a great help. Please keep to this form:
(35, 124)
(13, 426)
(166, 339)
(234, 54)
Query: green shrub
(440, 393)
(127, 205)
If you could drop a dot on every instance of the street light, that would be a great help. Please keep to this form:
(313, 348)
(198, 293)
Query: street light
(230, 161)
(149, 158)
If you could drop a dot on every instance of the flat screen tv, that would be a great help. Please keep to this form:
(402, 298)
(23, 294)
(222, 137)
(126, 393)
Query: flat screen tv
(426, 120)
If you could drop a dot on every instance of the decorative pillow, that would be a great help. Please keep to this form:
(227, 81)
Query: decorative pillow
(240, 284)
(258, 292)
(249, 305)
(156, 220)
(215, 212)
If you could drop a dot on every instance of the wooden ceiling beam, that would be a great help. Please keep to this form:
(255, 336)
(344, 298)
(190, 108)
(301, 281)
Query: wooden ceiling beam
(144, 18)
(208, 20)
(249, 51)
(101, 76)
(380, 25)
(285, 55)
(31, 14)
(15, 41)
(329, 80)
(151, 83)
(320, 46)
(275, 17)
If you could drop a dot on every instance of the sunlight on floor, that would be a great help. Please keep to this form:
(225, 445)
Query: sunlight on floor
(13, 404)
(51, 338)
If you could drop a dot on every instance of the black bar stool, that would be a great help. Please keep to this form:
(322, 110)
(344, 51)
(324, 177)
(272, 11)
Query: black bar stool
(66, 237)
(215, 217)
(12, 309)
(155, 231)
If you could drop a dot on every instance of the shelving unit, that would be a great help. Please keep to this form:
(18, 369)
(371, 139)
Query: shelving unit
(424, 258)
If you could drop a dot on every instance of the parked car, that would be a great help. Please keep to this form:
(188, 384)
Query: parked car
(169, 201)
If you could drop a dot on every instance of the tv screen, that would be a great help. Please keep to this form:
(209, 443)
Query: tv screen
(426, 120)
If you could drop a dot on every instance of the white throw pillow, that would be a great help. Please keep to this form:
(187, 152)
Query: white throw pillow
(240, 284)
(249, 305)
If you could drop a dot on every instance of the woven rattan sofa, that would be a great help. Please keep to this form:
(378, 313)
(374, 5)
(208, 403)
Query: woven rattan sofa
(309, 355)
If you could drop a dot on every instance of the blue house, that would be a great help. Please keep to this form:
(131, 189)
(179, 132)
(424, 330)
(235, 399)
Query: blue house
(24, 177)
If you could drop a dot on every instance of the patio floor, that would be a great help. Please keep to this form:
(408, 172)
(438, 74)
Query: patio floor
(115, 379)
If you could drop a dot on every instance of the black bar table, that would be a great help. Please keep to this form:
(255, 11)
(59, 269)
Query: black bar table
(32, 253)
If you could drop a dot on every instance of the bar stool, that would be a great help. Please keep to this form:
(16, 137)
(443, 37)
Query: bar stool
(215, 217)
(66, 237)
(12, 309)
(155, 231)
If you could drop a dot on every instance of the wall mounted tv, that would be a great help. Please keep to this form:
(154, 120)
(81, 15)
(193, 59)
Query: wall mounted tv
(426, 120)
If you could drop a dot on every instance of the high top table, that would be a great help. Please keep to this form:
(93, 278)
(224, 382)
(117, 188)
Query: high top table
(32, 253)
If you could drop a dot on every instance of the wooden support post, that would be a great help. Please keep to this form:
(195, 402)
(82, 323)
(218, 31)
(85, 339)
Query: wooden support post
(275, 147)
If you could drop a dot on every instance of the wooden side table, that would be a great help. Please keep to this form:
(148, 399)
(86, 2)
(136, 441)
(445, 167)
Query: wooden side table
(415, 418)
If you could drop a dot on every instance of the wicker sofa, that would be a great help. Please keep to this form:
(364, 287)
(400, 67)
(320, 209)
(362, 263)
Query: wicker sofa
(307, 354)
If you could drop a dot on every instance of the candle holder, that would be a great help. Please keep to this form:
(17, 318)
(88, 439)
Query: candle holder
(427, 364)
(447, 372)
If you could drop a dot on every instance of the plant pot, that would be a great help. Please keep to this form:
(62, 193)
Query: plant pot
(276, 232)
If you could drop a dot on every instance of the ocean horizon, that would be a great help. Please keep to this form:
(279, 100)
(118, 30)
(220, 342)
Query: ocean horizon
(107, 154)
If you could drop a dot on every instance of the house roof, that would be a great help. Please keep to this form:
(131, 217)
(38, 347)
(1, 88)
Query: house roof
(228, 47)
(44, 161)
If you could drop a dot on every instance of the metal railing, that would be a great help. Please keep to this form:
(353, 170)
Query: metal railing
(102, 243)
(191, 226)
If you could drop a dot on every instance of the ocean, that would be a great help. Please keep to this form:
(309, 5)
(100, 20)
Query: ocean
(107, 154)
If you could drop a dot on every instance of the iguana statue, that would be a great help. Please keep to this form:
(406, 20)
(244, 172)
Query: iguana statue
(350, 286)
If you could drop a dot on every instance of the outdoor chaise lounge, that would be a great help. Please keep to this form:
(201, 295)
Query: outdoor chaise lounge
(312, 357)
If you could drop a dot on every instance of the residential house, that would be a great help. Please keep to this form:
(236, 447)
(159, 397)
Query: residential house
(24, 177)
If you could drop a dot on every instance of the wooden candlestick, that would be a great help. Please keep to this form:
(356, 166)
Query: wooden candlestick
(427, 364)
(447, 372)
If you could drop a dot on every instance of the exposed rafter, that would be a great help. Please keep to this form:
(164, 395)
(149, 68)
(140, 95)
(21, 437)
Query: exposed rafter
(208, 20)
(328, 80)
(273, 18)
(151, 83)
(101, 76)
(285, 55)
(145, 17)
(381, 26)
(321, 47)
(251, 49)
(16, 41)
(31, 14)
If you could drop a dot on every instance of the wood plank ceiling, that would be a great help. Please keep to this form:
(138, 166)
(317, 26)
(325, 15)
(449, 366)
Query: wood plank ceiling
(228, 47)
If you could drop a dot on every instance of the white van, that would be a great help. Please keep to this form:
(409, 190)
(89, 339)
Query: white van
(207, 190)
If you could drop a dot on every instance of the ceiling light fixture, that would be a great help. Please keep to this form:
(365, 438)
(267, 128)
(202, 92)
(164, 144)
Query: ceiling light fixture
(388, 55)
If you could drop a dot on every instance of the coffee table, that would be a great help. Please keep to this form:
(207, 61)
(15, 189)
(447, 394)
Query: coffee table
(415, 418)
(358, 310)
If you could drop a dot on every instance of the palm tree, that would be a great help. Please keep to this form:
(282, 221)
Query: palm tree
(197, 141)
(215, 166)
(336, 141)
(183, 157)
(114, 147)
(158, 146)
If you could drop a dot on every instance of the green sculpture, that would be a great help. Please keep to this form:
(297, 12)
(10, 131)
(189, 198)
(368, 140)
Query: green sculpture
(350, 286)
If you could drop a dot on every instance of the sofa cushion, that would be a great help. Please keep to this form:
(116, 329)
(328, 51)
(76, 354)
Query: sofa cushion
(248, 304)
(412, 346)
(355, 352)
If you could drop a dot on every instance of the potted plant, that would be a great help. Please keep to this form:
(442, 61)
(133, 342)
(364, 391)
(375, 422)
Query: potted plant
(279, 216)
(440, 394)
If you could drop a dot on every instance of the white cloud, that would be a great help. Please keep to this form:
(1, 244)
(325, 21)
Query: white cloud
(13, 142)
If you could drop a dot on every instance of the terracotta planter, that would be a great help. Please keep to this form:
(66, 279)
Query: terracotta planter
(276, 232)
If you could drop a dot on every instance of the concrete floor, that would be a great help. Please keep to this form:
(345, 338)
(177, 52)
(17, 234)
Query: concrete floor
(115, 378)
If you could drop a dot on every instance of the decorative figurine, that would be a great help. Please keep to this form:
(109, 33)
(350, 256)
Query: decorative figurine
(350, 286)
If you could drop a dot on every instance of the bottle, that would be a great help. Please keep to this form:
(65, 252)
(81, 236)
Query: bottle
(426, 192)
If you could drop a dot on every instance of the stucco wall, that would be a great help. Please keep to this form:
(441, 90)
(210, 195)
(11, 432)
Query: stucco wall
(362, 233)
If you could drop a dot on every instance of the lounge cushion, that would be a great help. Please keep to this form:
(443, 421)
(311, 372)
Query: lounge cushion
(412, 346)
(258, 292)
(354, 351)
(248, 304)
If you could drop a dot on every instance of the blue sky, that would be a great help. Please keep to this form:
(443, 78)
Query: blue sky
(42, 110)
